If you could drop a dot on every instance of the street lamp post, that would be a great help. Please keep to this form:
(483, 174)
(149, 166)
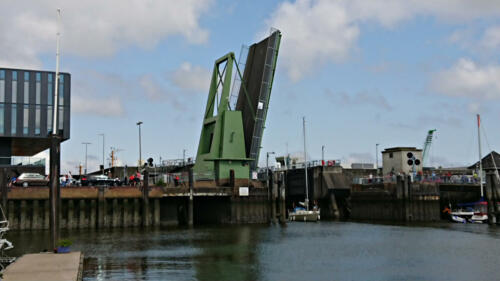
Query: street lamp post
(376, 156)
(86, 145)
(140, 152)
(322, 155)
(102, 152)
(184, 157)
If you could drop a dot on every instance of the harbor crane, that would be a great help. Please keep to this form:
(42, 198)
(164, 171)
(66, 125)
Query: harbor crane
(427, 146)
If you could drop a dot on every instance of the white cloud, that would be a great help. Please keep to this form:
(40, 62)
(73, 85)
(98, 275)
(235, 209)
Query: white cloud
(361, 98)
(316, 32)
(362, 157)
(491, 38)
(100, 106)
(94, 27)
(191, 77)
(151, 88)
(467, 79)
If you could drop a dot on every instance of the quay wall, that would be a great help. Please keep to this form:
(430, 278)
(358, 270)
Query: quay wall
(400, 201)
(106, 207)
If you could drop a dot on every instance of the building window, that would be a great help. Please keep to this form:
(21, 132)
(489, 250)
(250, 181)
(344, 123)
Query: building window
(50, 90)
(37, 120)
(38, 86)
(2, 85)
(1, 119)
(13, 124)
(390, 155)
(14, 86)
(60, 118)
(49, 119)
(26, 113)
(61, 90)
(26, 87)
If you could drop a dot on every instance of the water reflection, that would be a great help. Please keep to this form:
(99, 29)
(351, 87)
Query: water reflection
(319, 251)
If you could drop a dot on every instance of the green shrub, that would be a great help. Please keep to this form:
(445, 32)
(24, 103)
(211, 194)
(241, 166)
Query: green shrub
(160, 182)
(65, 243)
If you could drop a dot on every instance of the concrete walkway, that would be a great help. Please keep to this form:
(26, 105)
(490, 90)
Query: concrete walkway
(45, 266)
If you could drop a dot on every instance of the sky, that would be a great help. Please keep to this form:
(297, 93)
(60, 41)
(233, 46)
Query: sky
(361, 72)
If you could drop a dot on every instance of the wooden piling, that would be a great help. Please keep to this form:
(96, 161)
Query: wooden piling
(46, 214)
(101, 207)
(126, 213)
(81, 214)
(145, 200)
(23, 219)
(71, 221)
(35, 218)
(93, 214)
(136, 220)
(116, 213)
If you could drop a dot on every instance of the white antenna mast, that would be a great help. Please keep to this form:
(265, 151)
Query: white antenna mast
(56, 100)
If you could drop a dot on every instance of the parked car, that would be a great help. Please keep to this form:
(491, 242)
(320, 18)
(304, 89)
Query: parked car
(100, 180)
(31, 179)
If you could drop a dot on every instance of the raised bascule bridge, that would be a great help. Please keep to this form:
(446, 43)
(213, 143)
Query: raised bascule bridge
(221, 187)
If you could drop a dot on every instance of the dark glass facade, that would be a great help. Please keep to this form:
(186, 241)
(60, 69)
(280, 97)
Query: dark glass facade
(26, 110)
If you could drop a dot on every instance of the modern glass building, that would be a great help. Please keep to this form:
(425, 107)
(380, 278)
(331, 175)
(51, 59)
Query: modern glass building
(26, 110)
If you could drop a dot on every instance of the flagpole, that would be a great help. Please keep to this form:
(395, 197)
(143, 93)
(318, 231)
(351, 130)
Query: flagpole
(480, 162)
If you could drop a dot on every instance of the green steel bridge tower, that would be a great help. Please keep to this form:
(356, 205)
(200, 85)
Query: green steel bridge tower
(231, 137)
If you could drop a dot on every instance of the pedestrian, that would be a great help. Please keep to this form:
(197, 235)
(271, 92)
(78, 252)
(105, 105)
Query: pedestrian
(132, 180)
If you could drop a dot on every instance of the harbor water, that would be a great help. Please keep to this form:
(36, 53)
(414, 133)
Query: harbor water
(297, 251)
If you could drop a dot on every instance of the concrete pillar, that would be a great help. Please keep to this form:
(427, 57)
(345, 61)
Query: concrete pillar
(116, 213)
(191, 198)
(93, 214)
(136, 220)
(54, 189)
(282, 204)
(333, 205)
(274, 195)
(82, 221)
(71, 221)
(101, 208)
(35, 220)
(23, 219)
(46, 214)
(496, 195)
(492, 219)
(156, 214)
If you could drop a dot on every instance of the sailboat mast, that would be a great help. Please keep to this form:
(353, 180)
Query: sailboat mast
(480, 162)
(305, 163)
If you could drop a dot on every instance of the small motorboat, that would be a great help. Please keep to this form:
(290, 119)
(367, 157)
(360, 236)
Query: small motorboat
(457, 219)
(301, 214)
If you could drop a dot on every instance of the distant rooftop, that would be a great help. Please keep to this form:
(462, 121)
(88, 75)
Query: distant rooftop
(487, 161)
(401, 148)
